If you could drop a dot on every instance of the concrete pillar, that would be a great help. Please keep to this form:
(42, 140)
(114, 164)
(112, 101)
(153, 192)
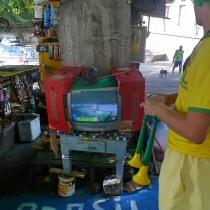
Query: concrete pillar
(95, 32)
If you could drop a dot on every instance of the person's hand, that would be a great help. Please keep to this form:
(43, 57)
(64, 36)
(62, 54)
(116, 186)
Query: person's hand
(165, 98)
(157, 97)
(150, 107)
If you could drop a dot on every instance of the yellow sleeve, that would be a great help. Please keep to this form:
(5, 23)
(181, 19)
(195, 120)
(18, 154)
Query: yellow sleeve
(200, 94)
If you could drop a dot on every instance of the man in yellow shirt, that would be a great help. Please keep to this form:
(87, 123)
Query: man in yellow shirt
(184, 182)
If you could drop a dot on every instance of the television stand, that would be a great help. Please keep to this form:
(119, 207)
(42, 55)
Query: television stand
(100, 145)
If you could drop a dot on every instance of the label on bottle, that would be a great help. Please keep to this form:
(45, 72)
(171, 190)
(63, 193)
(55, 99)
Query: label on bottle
(47, 16)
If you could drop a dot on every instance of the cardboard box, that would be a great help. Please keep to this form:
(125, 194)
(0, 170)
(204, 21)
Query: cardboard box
(29, 127)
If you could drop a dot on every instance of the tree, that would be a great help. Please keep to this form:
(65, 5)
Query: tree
(4, 24)
(18, 13)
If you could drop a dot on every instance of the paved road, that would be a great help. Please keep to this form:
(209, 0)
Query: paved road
(154, 83)
(150, 71)
(16, 61)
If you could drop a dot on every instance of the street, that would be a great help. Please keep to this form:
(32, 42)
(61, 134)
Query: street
(154, 83)
(14, 60)
(150, 71)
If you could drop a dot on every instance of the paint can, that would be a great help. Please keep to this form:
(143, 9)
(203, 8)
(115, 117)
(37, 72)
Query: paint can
(66, 185)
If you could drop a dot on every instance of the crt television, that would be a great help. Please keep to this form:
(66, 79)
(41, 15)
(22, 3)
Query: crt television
(94, 107)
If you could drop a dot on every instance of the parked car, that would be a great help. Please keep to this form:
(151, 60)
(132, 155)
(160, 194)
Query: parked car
(148, 56)
(11, 41)
(155, 56)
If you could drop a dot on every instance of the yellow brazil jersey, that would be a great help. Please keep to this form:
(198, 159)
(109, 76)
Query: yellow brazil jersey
(194, 95)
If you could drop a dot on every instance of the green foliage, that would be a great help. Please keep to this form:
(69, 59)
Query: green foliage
(18, 11)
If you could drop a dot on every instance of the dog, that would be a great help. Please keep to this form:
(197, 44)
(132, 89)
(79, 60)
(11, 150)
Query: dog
(163, 72)
(25, 62)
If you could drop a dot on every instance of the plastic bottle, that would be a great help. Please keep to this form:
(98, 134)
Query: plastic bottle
(53, 19)
(1, 102)
(32, 103)
(47, 16)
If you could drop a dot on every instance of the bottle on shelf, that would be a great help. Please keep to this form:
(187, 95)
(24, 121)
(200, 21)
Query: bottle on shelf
(47, 16)
(53, 19)
(32, 104)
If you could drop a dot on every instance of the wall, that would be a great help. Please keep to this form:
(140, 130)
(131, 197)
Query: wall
(95, 32)
(17, 51)
(179, 28)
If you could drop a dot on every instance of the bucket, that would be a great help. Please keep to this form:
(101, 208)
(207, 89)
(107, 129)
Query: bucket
(66, 185)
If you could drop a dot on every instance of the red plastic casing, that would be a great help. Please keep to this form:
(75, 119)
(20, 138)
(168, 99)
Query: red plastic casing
(131, 85)
(56, 86)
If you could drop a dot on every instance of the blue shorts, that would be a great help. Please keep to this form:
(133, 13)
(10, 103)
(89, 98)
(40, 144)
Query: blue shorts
(178, 63)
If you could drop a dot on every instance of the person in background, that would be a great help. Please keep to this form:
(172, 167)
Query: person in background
(184, 182)
(25, 61)
(177, 59)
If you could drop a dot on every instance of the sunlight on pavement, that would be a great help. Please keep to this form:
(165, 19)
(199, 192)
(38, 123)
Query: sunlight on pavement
(155, 83)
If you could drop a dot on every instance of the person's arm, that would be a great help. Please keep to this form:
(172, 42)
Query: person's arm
(170, 98)
(174, 56)
(165, 98)
(192, 126)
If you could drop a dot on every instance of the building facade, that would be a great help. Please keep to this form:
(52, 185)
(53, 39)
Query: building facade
(178, 28)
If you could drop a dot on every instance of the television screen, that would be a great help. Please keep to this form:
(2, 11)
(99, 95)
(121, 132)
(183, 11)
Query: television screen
(94, 106)
(94, 109)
